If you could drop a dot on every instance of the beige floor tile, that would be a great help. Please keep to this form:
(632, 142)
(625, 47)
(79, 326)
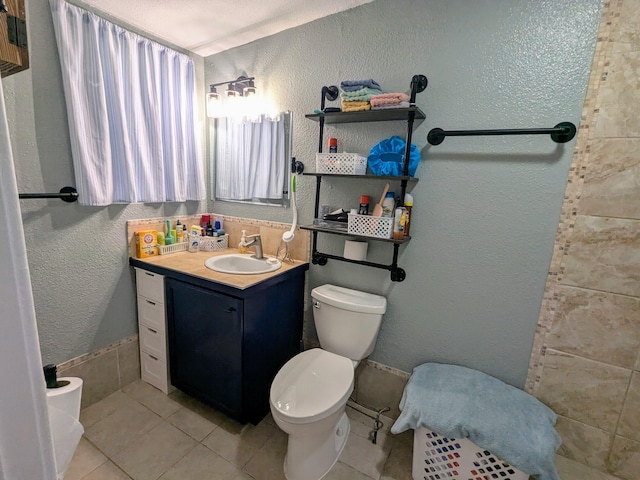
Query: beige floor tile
(342, 471)
(268, 461)
(198, 407)
(105, 407)
(122, 428)
(107, 471)
(238, 443)
(366, 457)
(154, 453)
(399, 462)
(86, 459)
(152, 398)
(191, 423)
(202, 464)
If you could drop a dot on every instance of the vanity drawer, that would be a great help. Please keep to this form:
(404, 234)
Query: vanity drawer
(153, 341)
(154, 371)
(151, 313)
(150, 285)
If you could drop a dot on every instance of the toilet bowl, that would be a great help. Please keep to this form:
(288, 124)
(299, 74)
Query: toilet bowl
(309, 394)
(63, 404)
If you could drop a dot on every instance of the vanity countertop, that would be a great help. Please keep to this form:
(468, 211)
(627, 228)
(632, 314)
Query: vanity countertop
(192, 263)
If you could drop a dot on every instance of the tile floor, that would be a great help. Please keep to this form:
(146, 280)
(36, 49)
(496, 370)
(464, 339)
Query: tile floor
(140, 433)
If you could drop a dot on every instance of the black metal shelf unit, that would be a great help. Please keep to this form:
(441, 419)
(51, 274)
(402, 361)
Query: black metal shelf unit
(410, 115)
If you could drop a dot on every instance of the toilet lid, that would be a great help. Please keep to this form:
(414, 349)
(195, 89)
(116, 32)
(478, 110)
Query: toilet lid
(312, 385)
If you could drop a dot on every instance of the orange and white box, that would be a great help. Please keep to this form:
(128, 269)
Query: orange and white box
(146, 243)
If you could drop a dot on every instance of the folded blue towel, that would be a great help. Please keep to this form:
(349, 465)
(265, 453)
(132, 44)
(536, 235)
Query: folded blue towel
(353, 85)
(459, 402)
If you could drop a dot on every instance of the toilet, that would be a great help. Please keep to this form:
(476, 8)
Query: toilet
(63, 403)
(309, 394)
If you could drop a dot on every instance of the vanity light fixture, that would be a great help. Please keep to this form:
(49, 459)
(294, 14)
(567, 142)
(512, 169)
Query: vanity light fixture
(242, 86)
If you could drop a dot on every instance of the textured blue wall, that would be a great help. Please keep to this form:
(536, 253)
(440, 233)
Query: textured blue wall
(486, 208)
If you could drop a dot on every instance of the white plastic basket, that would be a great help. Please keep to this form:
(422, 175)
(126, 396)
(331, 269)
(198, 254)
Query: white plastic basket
(173, 248)
(212, 244)
(341, 163)
(368, 226)
(439, 458)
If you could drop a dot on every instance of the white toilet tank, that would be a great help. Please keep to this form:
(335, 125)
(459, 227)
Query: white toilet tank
(347, 321)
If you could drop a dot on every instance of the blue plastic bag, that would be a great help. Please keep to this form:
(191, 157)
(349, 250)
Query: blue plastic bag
(386, 158)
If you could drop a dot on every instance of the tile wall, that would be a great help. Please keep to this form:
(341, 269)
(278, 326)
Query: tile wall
(586, 357)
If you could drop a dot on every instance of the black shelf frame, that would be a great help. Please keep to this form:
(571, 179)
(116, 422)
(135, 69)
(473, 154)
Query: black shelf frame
(410, 115)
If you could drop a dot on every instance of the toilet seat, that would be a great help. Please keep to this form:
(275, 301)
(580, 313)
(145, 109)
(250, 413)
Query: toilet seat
(311, 386)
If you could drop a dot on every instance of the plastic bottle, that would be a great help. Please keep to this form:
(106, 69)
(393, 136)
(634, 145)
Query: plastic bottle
(243, 238)
(408, 204)
(388, 204)
(364, 205)
(399, 223)
(333, 145)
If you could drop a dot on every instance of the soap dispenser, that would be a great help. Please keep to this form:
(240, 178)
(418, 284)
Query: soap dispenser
(243, 239)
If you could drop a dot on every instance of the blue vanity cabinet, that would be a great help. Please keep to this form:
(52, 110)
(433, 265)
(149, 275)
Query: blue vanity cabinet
(226, 344)
(205, 344)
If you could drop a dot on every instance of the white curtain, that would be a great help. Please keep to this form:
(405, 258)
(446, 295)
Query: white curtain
(26, 450)
(131, 108)
(250, 158)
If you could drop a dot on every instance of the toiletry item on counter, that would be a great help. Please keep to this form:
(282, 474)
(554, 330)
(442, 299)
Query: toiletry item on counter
(194, 238)
(333, 145)
(388, 204)
(364, 205)
(209, 230)
(408, 204)
(160, 236)
(146, 243)
(168, 238)
(243, 239)
(205, 220)
(179, 234)
(399, 222)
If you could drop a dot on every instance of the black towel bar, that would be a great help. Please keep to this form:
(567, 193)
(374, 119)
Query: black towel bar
(561, 133)
(67, 194)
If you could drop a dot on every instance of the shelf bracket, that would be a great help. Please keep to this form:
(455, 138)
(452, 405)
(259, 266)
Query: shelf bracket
(397, 274)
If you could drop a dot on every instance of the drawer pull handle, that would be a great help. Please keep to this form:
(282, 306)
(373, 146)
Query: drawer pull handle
(152, 330)
(150, 274)
(154, 358)
(150, 302)
(230, 310)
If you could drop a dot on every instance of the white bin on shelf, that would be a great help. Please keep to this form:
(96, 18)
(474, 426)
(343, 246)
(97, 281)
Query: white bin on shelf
(439, 458)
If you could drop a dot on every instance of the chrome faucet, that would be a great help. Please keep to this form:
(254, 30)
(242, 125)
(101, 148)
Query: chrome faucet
(255, 241)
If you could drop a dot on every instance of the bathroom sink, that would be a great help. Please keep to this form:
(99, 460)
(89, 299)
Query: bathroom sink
(241, 264)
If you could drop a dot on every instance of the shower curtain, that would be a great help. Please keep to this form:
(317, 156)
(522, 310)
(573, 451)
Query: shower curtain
(26, 449)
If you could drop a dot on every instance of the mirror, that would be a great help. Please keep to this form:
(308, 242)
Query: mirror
(250, 159)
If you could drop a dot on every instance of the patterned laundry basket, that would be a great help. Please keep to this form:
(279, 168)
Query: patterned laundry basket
(439, 458)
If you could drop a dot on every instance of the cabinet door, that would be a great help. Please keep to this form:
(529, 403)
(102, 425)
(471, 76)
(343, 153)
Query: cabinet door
(205, 344)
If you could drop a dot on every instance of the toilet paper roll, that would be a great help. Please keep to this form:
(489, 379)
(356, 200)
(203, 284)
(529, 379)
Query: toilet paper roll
(355, 249)
(66, 397)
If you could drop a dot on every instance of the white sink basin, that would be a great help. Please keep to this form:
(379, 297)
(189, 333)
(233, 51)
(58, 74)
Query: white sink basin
(240, 264)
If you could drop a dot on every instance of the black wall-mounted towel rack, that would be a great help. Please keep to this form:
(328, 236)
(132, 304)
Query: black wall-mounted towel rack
(561, 133)
(66, 194)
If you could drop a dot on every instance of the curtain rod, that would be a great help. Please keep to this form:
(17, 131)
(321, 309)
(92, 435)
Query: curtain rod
(66, 194)
(561, 133)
